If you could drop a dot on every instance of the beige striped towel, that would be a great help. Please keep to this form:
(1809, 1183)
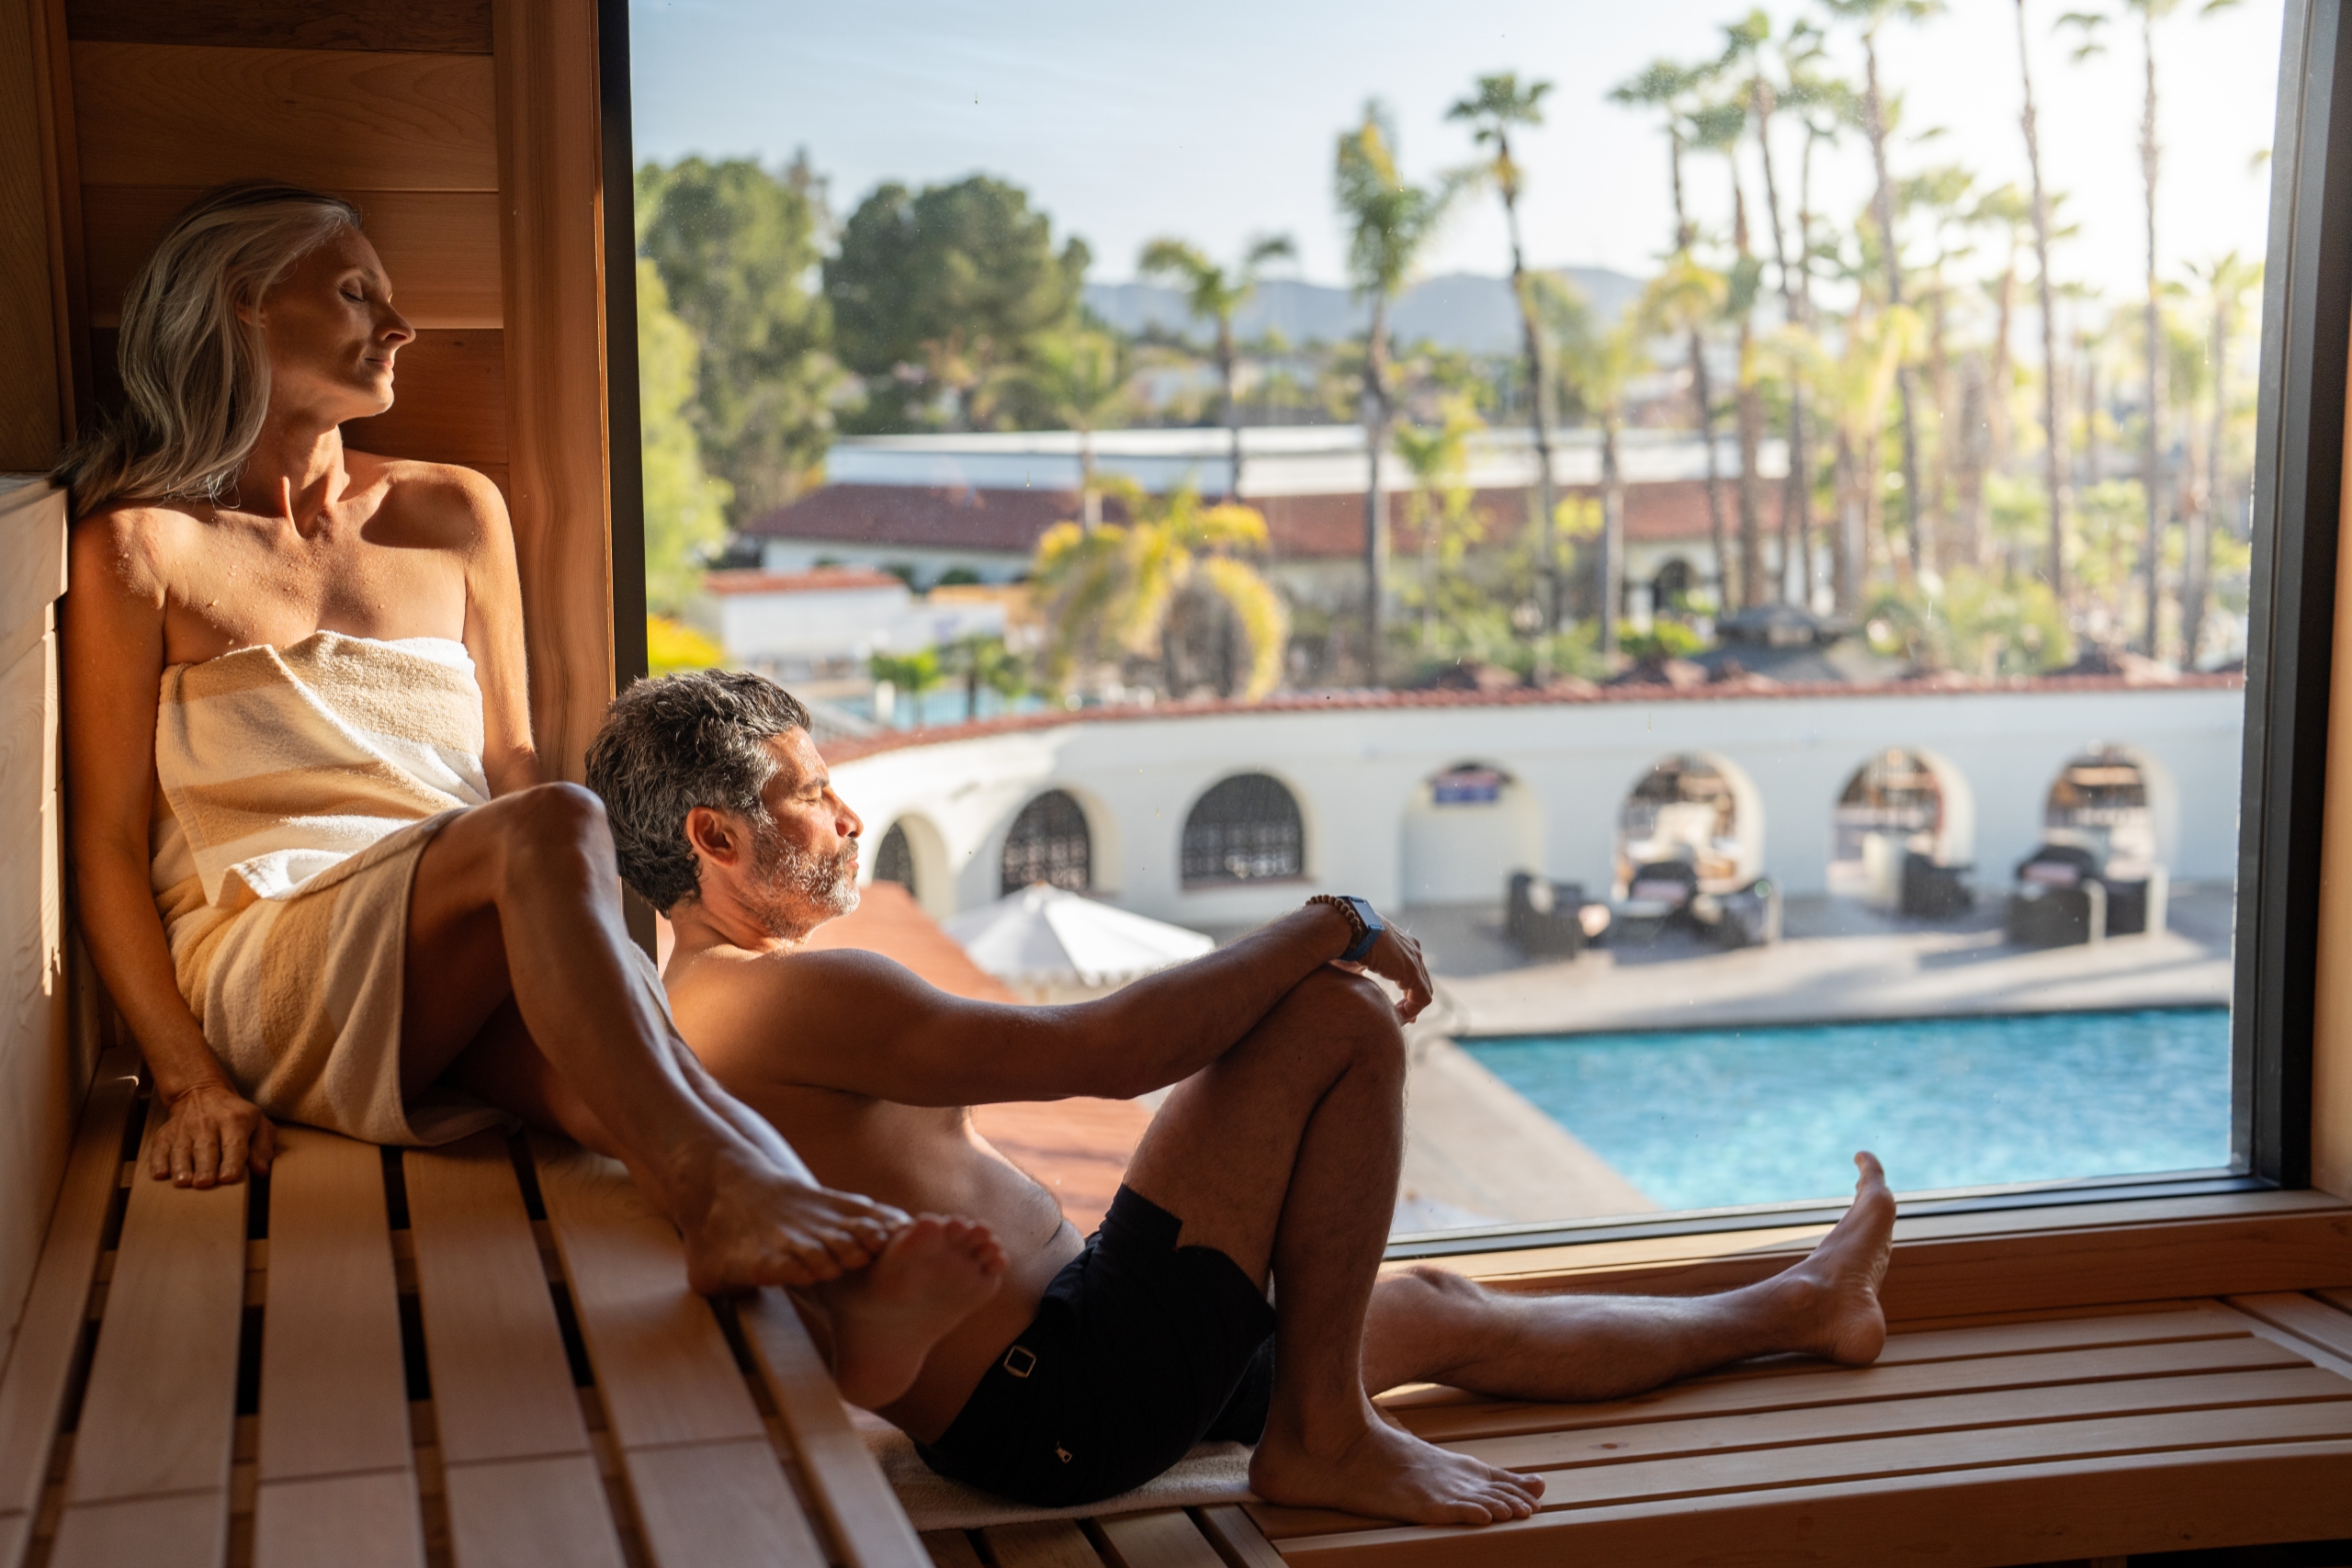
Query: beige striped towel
(297, 787)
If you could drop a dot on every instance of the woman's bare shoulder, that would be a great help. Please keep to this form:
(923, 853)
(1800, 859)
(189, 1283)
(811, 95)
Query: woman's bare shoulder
(462, 507)
(132, 546)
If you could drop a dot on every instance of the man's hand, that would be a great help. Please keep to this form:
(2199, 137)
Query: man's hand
(1396, 958)
(212, 1137)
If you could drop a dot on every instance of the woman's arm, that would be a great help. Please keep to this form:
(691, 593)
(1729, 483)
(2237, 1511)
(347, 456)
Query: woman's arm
(113, 667)
(495, 637)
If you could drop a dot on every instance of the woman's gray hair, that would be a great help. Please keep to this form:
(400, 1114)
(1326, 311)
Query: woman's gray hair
(677, 742)
(196, 378)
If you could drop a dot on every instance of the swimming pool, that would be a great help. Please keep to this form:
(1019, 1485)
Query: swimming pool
(1706, 1118)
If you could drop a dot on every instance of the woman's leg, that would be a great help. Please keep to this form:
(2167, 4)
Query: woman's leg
(517, 899)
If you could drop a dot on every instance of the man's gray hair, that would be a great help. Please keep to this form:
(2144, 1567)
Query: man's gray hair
(677, 742)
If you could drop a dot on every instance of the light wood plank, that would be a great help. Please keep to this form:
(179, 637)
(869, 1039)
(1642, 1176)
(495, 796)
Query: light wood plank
(2201, 1320)
(440, 248)
(2330, 1031)
(1850, 1386)
(450, 402)
(710, 1502)
(158, 1415)
(184, 1528)
(1041, 1543)
(1917, 1456)
(32, 519)
(459, 26)
(536, 1513)
(1237, 1538)
(2313, 1323)
(951, 1549)
(559, 486)
(333, 1385)
(664, 1368)
(2029, 1513)
(149, 114)
(2340, 1300)
(868, 1525)
(1162, 1539)
(351, 1521)
(502, 1384)
(32, 1392)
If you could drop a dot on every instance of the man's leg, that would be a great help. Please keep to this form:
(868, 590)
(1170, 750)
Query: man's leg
(1427, 1326)
(1284, 1154)
(517, 898)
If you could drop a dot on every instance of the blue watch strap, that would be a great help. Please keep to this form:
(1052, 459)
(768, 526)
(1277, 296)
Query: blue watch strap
(1373, 927)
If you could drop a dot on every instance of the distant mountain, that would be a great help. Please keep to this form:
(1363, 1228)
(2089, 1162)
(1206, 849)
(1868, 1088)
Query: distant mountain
(1460, 311)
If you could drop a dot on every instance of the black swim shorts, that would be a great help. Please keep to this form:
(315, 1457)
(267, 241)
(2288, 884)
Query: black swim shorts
(1140, 1349)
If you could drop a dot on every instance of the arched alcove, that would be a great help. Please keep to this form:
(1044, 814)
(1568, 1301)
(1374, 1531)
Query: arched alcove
(2104, 800)
(1914, 802)
(1465, 830)
(1699, 808)
(913, 854)
(1244, 829)
(1048, 842)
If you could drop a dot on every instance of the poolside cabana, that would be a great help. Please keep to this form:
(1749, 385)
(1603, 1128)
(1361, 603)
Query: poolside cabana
(487, 1354)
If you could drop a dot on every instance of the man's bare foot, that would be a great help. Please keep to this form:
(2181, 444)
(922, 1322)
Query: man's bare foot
(932, 1277)
(1385, 1473)
(1838, 1297)
(747, 1224)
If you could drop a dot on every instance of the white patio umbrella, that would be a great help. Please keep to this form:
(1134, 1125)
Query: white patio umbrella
(1044, 941)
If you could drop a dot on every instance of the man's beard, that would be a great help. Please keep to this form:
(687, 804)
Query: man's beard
(794, 892)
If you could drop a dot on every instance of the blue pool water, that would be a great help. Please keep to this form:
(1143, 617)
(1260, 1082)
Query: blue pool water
(1707, 1118)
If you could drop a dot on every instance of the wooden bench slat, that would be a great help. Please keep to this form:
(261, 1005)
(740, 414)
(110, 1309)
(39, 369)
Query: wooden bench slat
(2205, 1320)
(185, 1527)
(663, 1365)
(720, 1502)
(868, 1524)
(2027, 1512)
(32, 1390)
(531, 1513)
(502, 1384)
(1041, 1543)
(1844, 1385)
(1160, 1539)
(1919, 1455)
(2007, 1408)
(333, 1382)
(351, 1521)
(951, 1549)
(159, 1413)
(2314, 1330)
(1237, 1537)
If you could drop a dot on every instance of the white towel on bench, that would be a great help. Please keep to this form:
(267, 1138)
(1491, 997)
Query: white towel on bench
(1211, 1473)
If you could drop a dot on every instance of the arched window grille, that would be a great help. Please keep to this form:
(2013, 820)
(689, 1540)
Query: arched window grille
(1048, 843)
(895, 860)
(1246, 829)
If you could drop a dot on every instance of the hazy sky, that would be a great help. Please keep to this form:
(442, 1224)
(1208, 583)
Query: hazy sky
(1216, 120)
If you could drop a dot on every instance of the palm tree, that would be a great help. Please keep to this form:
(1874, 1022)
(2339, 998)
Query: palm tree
(1438, 458)
(1499, 105)
(1078, 378)
(1876, 123)
(1672, 87)
(2227, 281)
(2053, 436)
(1390, 223)
(1213, 294)
(1719, 128)
(1116, 589)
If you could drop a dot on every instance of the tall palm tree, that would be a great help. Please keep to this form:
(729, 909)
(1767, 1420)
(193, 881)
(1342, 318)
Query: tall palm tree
(2227, 281)
(1438, 458)
(1871, 15)
(2054, 435)
(1497, 107)
(1720, 128)
(1390, 223)
(1213, 293)
(1080, 378)
(1674, 88)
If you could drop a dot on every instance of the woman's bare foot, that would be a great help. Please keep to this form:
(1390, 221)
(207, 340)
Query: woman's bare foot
(746, 1225)
(1385, 1473)
(1837, 1293)
(932, 1277)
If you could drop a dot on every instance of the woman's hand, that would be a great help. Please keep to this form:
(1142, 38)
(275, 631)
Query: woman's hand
(212, 1136)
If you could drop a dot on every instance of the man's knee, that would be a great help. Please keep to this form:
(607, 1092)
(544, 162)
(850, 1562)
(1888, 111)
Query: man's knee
(1351, 1010)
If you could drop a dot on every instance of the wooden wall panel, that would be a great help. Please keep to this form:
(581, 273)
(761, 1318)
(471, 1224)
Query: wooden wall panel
(180, 115)
(453, 27)
(439, 247)
(451, 396)
(550, 163)
(31, 421)
(2332, 1001)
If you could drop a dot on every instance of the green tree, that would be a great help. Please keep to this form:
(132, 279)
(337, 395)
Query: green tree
(1213, 293)
(934, 291)
(734, 245)
(1078, 380)
(1499, 106)
(1438, 458)
(2227, 280)
(1390, 223)
(2053, 453)
(685, 509)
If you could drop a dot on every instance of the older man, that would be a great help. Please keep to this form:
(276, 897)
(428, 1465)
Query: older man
(1084, 1367)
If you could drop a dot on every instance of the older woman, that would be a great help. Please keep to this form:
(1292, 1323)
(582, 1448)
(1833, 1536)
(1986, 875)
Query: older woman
(317, 866)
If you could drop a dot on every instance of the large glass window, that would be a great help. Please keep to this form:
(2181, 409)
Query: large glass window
(1730, 527)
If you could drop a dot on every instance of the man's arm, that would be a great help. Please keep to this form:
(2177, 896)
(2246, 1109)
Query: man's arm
(860, 1023)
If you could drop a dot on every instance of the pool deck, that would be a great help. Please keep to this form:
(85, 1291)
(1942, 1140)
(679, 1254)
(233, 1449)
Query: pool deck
(1836, 961)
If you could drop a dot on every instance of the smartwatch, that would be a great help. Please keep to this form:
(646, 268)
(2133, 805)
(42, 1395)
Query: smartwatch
(1361, 916)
